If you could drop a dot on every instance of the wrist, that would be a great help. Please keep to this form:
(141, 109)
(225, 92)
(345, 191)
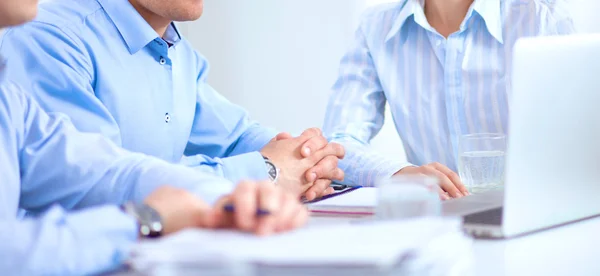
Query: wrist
(405, 169)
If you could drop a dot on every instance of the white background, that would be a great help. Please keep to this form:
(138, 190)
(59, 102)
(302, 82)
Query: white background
(279, 58)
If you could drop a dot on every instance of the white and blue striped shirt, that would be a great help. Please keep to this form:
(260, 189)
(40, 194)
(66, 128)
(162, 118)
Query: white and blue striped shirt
(438, 89)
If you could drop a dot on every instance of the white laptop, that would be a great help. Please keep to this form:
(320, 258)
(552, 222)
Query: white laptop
(553, 158)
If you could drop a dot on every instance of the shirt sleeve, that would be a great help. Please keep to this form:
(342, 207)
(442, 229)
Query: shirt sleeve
(87, 242)
(224, 130)
(559, 18)
(225, 144)
(355, 114)
(62, 169)
(77, 170)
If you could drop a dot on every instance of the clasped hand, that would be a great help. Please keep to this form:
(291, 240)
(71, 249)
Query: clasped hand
(308, 163)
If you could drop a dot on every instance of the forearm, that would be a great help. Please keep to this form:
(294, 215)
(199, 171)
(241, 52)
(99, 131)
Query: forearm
(247, 166)
(254, 138)
(242, 162)
(82, 243)
(363, 166)
(149, 174)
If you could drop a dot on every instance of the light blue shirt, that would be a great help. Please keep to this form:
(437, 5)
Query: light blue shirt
(438, 89)
(100, 62)
(49, 167)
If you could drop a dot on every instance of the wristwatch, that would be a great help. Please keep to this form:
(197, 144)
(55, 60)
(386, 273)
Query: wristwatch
(272, 170)
(149, 221)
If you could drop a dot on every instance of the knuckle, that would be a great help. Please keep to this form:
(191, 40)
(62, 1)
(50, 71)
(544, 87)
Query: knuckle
(312, 131)
(245, 186)
(339, 149)
(331, 161)
(266, 187)
(322, 184)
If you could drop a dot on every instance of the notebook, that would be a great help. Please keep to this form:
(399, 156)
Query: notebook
(357, 202)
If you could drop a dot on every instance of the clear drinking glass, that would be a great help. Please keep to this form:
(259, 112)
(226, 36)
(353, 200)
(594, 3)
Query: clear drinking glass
(410, 196)
(481, 161)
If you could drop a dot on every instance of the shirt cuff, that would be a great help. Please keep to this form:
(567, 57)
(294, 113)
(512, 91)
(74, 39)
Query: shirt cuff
(385, 169)
(247, 166)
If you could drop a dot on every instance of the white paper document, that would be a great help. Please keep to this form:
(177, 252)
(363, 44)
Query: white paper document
(379, 245)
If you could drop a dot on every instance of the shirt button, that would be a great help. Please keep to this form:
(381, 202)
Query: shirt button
(167, 118)
(438, 43)
(162, 61)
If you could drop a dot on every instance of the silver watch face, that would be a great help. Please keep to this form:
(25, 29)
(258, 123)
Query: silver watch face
(271, 170)
(150, 222)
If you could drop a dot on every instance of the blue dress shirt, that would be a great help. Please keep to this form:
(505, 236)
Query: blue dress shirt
(438, 89)
(100, 62)
(49, 167)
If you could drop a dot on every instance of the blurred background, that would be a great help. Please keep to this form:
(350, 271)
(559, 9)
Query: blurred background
(279, 58)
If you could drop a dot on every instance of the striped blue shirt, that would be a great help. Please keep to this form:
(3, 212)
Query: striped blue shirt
(438, 89)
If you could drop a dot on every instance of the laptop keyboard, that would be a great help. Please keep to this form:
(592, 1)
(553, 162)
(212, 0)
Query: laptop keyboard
(490, 217)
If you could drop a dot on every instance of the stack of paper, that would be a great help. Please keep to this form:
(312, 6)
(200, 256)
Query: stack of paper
(423, 247)
(359, 202)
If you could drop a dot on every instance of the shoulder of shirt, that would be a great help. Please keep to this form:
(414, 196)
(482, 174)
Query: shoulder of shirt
(377, 20)
(381, 11)
(68, 16)
(550, 6)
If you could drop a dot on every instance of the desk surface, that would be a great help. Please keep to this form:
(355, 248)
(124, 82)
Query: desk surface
(572, 250)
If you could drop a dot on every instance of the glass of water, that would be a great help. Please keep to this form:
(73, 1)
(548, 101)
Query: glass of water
(481, 161)
(410, 196)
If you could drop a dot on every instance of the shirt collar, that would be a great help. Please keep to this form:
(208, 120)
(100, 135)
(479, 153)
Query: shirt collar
(489, 10)
(409, 8)
(134, 29)
(172, 35)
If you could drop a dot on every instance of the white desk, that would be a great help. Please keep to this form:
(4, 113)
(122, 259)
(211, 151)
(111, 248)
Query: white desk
(572, 250)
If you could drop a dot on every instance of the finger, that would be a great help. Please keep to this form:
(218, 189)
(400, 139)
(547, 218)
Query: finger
(307, 135)
(317, 189)
(445, 182)
(245, 202)
(338, 174)
(334, 149)
(324, 169)
(285, 212)
(283, 136)
(443, 194)
(453, 177)
(311, 132)
(313, 144)
(268, 201)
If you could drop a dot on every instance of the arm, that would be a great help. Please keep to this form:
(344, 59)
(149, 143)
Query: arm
(43, 168)
(224, 130)
(63, 74)
(559, 19)
(78, 170)
(355, 114)
(80, 243)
